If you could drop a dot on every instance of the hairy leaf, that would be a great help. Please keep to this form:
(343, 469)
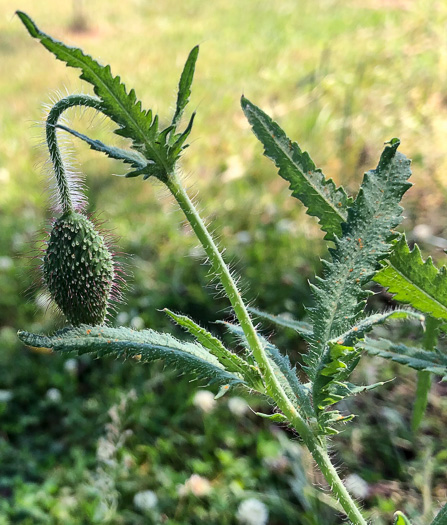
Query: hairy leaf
(287, 376)
(231, 361)
(276, 418)
(146, 345)
(415, 281)
(441, 517)
(308, 184)
(367, 324)
(304, 329)
(184, 88)
(339, 295)
(129, 157)
(121, 106)
(417, 358)
(340, 390)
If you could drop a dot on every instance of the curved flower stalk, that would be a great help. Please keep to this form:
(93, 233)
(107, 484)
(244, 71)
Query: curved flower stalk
(362, 231)
(79, 268)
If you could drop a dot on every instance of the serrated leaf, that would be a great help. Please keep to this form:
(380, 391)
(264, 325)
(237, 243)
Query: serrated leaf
(122, 107)
(414, 281)
(332, 417)
(367, 324)
(231, 361)
(147, 345)
(276, 418)
(287, 376)
(339, 390)
(304, 329)
(417, 358)
(308, 184)
(441, 517)
(178, 140)
(184, 88)
(339, 296)
(129, 157)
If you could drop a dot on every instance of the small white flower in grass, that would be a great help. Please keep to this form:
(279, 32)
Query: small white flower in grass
(5, 396)
(122, 318)
(145, 500)
(204, 399)
(105, 451)
(54, 395)
(137, 323)
(357, 486)
(238, 406)
(252, 512)
(196, 485)
(71, 366)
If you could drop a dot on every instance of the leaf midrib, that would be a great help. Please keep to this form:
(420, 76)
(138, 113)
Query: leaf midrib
(285, 152)
(423, 292)
(44, 36)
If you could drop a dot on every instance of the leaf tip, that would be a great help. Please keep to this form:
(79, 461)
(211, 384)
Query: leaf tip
(28, 23)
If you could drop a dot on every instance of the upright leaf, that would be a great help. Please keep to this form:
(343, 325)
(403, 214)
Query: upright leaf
(339, 295)
(308, 184)
(184, 88)
(122, 107)
(147, 345)
(415, 281)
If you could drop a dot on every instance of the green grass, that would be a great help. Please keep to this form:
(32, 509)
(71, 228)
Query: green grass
(341, 78)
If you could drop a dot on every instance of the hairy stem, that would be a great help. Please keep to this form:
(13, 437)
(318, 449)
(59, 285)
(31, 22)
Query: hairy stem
(60, 172)
(314, 443)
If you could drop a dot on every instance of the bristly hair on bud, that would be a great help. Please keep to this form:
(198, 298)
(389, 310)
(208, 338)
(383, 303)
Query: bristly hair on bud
(79, 270)
(78, 266)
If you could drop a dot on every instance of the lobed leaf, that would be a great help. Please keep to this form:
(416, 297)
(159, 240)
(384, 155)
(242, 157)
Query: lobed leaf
(339, 295)
(129, 157)
(308, 184)
(146, 345)
(287, 376)
(365, 325)
(184, 88)
(231, 361)
(121, 106)
(414, 281)
(304, 329)
(417, 358)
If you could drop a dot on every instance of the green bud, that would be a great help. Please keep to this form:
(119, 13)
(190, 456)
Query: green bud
(78, 269)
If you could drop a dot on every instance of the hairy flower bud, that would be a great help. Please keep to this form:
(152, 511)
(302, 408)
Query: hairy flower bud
(78, 269)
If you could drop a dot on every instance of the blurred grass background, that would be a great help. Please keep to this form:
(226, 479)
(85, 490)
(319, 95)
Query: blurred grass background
(341, 78)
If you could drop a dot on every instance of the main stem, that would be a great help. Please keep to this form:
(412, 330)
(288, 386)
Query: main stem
(315, 444)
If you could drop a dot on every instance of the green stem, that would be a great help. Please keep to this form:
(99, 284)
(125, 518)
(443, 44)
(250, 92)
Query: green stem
(424, 378)
(60, 171)
(314, 443)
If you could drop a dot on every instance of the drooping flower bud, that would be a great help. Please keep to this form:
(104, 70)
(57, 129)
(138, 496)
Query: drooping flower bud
(78, 269)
